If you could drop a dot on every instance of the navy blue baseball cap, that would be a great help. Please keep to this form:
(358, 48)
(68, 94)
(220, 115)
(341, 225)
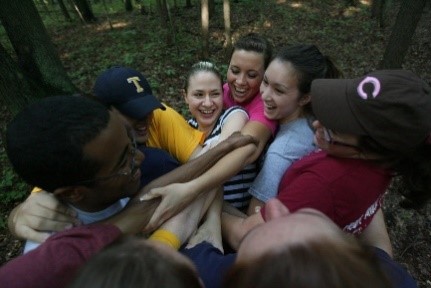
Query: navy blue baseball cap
(127, 90)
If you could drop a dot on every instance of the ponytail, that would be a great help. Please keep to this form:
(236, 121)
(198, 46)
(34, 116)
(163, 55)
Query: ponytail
(331, 71)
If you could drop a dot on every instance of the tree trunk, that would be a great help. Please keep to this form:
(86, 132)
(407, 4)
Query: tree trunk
(378, 11)
(64, 10)
(211, 8)
(36, 54)
(15, 89)
(405, 25)
(128, 5)
(350, 2)
(85, 11)
(205, 28)
(164, 18)
(105, 7)
(45, 7)
(75, 10)
(227, 29)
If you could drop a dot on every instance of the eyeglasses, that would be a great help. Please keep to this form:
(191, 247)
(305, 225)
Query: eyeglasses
(132, 167)
(328, 135)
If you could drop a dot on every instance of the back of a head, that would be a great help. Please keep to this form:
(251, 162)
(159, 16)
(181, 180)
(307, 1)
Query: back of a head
(130, 263)
(309, 64)
(316, 264)
(45, 141)
(253, 42)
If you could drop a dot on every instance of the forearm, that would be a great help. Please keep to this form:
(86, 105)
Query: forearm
(232, 220)
(235, 224)
(210, 229)
(235, 161)
(134, 217)
(376, 234)
(215, 208)
(186, 222)
(231, 229)
(223, 170)
(254, 206)
(193, 168)
(260, 132)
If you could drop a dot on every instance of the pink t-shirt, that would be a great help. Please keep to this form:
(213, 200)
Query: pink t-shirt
(254, 108)
(349, 191)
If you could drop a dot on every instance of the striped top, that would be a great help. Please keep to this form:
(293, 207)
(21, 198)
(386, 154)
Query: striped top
(235, 189)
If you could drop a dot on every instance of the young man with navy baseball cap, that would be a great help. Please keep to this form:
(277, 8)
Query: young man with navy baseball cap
(154, 123)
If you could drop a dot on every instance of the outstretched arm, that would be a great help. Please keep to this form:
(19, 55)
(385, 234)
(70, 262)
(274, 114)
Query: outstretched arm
(223, 170)
(232, 122)
(210, 230)
(376, 233)
(196, 167)
(235, 224)
(42, 211)
(186, 222)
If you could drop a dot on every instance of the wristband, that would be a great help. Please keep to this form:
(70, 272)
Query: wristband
(166, 237)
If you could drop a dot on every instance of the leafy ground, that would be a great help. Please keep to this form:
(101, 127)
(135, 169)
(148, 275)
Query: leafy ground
(347, 34)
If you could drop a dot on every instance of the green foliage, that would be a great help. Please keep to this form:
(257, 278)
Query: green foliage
(4, 40)
(112, 6)
(223, 69)
(12, 188)
(170, 72)
(3, 222)
(155, 85)
(128, 58)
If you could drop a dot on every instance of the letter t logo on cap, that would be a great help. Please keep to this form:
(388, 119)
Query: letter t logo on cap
(135, 80)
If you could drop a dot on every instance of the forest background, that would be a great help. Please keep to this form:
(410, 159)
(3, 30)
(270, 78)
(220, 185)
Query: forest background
(162, 39)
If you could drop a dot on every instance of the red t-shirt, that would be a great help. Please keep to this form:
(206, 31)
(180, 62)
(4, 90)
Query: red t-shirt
(349, 191)
(56, 261)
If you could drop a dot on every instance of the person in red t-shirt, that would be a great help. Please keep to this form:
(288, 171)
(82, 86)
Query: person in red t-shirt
(368, 129)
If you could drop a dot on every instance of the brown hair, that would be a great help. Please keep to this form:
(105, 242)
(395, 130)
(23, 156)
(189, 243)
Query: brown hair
(202, 66)
(413, 171)
(308, 64)
(130, 263)
(314, 264)
(254, 42)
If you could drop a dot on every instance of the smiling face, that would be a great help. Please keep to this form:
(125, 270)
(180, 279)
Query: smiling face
(140, 127)
(280, 93)
(204, 98)
(113, 150)
(244, 75)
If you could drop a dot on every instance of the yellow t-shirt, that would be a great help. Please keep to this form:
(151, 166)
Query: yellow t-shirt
(171, 132)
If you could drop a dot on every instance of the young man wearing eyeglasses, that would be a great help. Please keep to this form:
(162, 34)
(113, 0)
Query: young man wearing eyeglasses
(81, 152)
(158, 131)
